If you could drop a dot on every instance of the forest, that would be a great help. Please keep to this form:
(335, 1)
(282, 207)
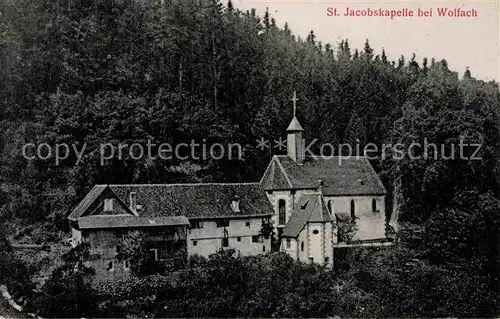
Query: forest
(88, 73)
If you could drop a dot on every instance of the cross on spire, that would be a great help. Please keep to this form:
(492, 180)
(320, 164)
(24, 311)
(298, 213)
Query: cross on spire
(294, 99)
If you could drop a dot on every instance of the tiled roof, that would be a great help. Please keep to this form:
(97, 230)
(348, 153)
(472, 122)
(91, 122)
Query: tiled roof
(274, 177)
(320, 212)
(189, 200)
(311, 208)
(352, 176)
(294, 125)
(124, 221)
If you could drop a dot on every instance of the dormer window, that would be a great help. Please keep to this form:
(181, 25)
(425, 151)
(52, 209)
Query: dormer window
(133, 201)
(235, 205)
(108, 204)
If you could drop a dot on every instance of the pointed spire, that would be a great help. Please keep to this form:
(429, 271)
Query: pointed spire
(294, 124)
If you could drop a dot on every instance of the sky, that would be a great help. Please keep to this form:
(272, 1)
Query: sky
(471, 42)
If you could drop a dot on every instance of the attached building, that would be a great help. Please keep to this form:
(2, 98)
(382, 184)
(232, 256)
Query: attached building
(301, 202)
(200, 218)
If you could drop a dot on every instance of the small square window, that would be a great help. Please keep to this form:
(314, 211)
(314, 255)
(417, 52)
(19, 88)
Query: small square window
(222, 222)
(126, 265)
(196, 223)
(154, 254)
(110, 266)
(225, 242)
(327, 259)
(238, 239)
(311, 260)
(255, 239)
(247, 224)
(195, 242)
(108, 204)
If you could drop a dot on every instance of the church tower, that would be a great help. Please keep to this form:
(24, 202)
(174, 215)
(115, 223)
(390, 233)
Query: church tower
(295, 140)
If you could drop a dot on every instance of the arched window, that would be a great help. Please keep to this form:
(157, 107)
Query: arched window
(330, 206)
(374, 205)
(281, 212)
(353, 209)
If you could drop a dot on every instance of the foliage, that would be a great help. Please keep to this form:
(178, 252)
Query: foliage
(68, 291)
(133, 249)
(347, 229)
(13, 272)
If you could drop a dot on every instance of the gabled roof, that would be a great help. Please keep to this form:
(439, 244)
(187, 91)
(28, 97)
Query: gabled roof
(311, 209)
(89, 202)
(294, 125)
(125, 221)
(275, 177)
(340, 176)
(189, 200)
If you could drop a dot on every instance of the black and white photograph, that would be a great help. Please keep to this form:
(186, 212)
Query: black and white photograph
(249, 159)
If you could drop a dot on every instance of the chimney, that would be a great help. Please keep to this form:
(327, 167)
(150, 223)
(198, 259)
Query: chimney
(235, 205)
(320, 185)
(133, 202)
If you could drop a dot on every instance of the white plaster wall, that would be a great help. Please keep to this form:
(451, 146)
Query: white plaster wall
(303, 237)
(209, 238)
(316, 242)
(245, 247)
(293, 250)
(274, 198)
(328, 243)
(295, 148)
(371, 225)
(291, 202)
(237, 227)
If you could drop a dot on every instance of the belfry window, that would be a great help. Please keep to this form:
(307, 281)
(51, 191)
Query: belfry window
(281, 212)
(110, 266)
(353, 209)
(330, 206)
